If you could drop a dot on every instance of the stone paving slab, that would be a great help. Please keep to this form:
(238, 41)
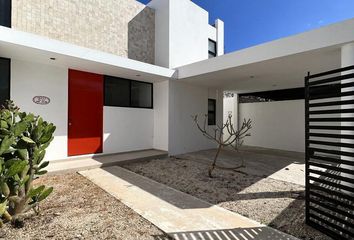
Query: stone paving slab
(78, 164)
(180, 215)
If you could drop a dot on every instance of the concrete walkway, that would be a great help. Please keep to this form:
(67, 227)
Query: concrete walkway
(180, 215)
(84, 163)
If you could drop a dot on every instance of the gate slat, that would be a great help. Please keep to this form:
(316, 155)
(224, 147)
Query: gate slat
(330, 188)
(334, 209)
(333, 176)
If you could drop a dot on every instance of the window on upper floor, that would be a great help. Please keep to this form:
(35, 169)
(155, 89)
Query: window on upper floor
(120, 92)
(5, 13)
(212, 49)
(211, 112)
(4, 80)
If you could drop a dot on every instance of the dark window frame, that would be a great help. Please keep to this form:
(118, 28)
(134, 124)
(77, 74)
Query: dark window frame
(9, 78)
(214, 54)
(213, 123)
(5, 13)
(288, 94)
(130, 93)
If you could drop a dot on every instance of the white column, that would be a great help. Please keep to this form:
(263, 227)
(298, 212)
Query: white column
(219, 25)
(231, 107)
(236, 111)
(347, 59)
(348, 55)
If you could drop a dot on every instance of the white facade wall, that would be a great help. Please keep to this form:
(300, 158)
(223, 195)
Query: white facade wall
(277, 125)
(220, 36)
(212, 33)
(161, 115)
(127, 129)
(182, 31)
(187, 100)
(32, 79)
(188, 33)
(169, 126)
(162, 35)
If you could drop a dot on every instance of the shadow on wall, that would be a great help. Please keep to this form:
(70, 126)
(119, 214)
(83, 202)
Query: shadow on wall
(141, 36)
(230, 234)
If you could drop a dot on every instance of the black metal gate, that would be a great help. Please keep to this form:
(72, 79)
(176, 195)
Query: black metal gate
(329, 112)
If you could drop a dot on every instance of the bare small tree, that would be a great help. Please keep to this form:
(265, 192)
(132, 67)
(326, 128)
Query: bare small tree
(234, 140)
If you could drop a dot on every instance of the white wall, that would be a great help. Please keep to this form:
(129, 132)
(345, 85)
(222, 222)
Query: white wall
(231, 107)
(161, 115)
(212, 33)
(187, 100)
(162, 35)
(220, 38)
(188, 33)
(181, 32)
(169, 126)
(278, 125)
(32, 79)
(127, 129)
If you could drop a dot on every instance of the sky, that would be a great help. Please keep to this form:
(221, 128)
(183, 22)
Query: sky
(252, 22)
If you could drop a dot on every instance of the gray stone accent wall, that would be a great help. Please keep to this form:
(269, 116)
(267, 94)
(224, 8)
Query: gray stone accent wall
(122, 27)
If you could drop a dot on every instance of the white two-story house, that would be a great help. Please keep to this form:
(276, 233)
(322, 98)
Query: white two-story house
(117, 75)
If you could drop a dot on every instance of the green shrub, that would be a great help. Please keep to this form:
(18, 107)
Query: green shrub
(23, 140)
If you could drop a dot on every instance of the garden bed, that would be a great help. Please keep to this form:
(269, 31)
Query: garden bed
(78, 209)
(276, 203)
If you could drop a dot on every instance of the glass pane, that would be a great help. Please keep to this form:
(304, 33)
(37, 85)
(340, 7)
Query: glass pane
(211, 118)
(4, 80)
(211, 105)
(117, 92)
(141, 95)
(5, 13)
(211, 111)
(212, 46)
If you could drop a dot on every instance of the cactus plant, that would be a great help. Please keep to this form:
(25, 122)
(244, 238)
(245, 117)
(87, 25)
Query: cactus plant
(23, 142)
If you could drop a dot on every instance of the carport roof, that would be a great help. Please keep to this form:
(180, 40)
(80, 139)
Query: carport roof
(274, 65)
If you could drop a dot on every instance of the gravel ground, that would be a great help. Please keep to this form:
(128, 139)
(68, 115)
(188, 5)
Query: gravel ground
(78, 209)
(276, 203)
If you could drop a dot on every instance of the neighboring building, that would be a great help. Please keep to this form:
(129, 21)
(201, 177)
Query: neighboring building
(183, 34)
(117, 76)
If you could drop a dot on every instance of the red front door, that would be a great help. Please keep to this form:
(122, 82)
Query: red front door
(85, 123)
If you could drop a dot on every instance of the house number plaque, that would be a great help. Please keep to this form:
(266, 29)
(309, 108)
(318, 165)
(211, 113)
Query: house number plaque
(41, 100)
